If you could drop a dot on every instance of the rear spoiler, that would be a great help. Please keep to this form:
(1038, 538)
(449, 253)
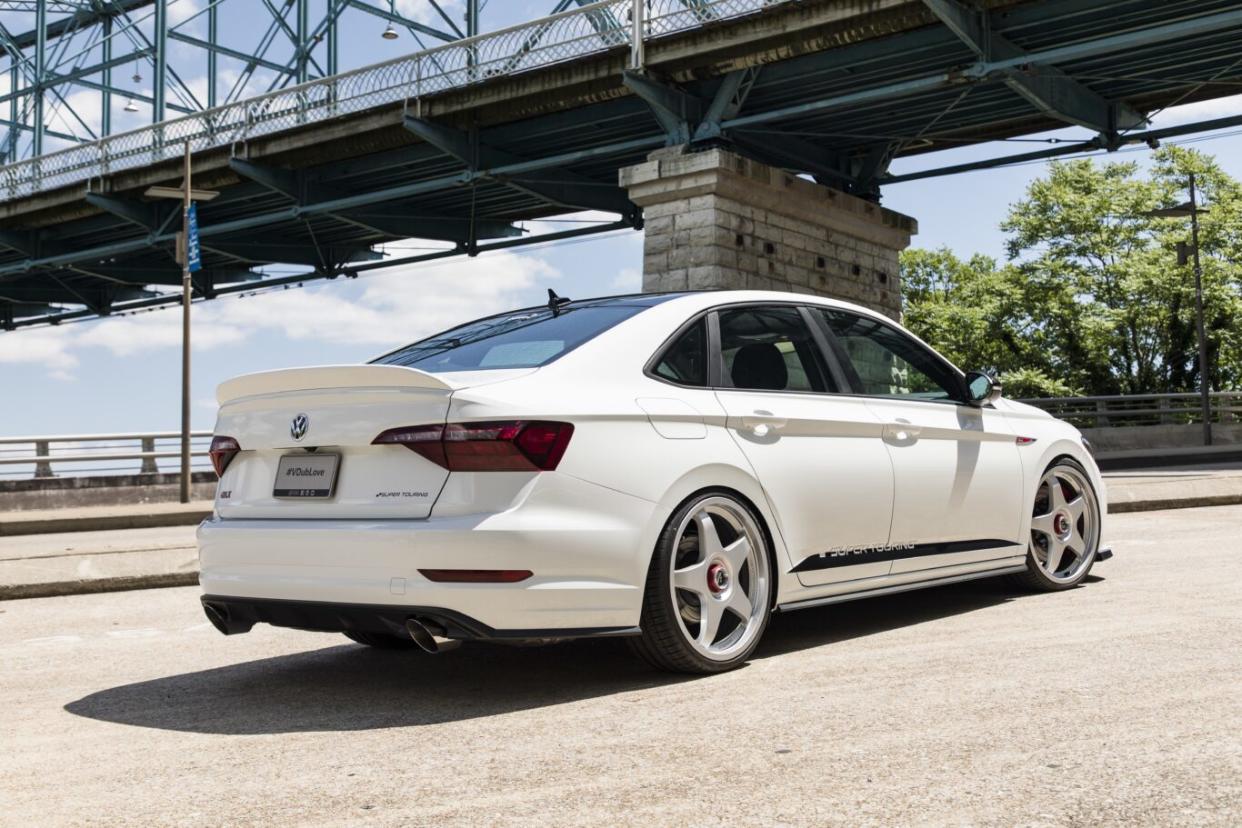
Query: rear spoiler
(328, 376)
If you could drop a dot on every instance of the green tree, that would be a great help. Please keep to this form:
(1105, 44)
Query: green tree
(1092, 299)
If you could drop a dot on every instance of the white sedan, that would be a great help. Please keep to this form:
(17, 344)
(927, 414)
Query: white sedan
(669, 467)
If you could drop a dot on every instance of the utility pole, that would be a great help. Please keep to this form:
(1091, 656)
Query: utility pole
(1192, 209)
(1204, 384)
(190, 259)
(186, 291)
(638, 47)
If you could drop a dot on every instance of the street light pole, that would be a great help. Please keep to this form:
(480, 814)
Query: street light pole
(1204, 385)
(187, 195)
(186, 291)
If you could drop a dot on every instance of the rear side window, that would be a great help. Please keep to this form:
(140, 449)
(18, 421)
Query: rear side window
(685, 361)
(769, 349)
(521, 339)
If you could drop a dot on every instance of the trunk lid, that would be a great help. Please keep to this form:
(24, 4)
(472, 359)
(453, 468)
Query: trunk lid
(345, 407)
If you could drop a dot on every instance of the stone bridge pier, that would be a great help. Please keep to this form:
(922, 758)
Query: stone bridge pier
(715, 219)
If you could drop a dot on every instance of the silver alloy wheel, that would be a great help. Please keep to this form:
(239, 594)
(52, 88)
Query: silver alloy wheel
(1065, 526)
(719, 578)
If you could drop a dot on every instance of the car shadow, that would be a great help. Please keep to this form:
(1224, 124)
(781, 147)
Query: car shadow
(350, 687)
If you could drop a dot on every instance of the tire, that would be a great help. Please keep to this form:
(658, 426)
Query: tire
(1066, 523)
(712, 554)
(381, 641)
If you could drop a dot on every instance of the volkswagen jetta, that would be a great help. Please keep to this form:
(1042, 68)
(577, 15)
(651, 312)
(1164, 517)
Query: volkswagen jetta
(670, 467)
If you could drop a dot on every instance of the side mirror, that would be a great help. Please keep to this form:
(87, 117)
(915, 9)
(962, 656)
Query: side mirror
(981, 389)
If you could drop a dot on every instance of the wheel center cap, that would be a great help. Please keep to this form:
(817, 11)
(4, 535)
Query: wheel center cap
(717, 578)
(1061, 524)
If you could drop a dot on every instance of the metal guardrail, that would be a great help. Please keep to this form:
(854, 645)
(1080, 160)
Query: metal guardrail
(1141, 409)
(141, 450)
(85, 453)
(583, 31)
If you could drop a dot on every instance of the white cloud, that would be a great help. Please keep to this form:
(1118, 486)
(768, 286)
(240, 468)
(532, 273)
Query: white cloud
(1200, 111)
(129, 335)
(48, 347)
(422, 12)
(180, 11)
(385, 310)
(87, 104)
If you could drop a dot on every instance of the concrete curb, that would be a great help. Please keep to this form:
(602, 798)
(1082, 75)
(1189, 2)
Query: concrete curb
(99, 523)
(1227, 499)
(121, 583)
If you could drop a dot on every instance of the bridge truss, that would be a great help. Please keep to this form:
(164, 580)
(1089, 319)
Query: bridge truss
(465, 141)
(74, 71)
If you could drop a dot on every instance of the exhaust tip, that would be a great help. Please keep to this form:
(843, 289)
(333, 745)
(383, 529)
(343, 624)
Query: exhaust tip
(424, 637)
(220, 618)
(421, 635)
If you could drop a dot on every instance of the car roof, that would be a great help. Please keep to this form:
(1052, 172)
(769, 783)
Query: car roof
(695, 300)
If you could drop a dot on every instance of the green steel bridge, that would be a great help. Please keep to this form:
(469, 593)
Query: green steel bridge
(462, 141)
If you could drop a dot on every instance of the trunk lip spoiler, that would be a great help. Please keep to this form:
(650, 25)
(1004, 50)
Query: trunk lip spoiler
(285, 380)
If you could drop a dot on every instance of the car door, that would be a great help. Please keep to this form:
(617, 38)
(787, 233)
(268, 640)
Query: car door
(819, 456)
(957, 473)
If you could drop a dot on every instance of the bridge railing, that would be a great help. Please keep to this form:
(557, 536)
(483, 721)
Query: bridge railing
(98, 454)
(580, 32)
(140, 452)
(1142, 409)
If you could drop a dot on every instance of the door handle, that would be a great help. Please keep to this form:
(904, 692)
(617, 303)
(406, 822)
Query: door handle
(902, 432)
(762, 422)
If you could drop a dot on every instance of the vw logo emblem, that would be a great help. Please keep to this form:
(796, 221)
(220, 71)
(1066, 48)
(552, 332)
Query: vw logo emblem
(297, 428)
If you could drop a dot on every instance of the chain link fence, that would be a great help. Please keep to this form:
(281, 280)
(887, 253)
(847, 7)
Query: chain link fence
(588, 30)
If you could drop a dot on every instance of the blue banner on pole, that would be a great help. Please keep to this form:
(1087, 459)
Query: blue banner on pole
(193, 255)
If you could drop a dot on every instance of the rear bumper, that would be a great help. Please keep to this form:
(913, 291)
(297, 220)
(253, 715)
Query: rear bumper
(587, 547)
(232, 616)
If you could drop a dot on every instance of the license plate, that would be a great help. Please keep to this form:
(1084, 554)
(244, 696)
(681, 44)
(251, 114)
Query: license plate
(306, 475)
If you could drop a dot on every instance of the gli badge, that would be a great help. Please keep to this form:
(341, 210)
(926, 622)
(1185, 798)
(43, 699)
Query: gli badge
(297, 428)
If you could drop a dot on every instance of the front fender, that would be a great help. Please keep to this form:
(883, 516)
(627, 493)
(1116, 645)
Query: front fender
(1037, 457)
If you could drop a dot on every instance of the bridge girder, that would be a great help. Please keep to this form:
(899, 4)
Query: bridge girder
(1048, 88)
(845, 122)
(561, 188)
(393, 221)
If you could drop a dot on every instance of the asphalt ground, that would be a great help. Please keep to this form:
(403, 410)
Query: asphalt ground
(1117, 703)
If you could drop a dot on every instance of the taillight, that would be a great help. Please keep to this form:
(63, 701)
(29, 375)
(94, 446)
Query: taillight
(520, 445)
(222, 451)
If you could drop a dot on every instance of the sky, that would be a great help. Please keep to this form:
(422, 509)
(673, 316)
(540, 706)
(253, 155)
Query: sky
(123, 374)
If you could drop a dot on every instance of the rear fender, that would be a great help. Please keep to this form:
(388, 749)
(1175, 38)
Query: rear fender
(720, 476)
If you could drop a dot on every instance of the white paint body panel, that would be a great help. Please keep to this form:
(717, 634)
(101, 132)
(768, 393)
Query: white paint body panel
(801, 447)
(836, 472)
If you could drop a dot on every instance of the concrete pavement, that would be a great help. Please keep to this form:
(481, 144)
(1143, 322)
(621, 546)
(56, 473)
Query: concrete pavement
(33, 566)
(1174, 487)
(100, 518)
(1112, 704)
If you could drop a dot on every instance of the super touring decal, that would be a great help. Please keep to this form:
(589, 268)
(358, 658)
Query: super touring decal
(851, 555)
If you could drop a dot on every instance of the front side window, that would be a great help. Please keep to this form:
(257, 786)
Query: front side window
(521, 339)
(769, 349)
(889, 363)
(685, 361)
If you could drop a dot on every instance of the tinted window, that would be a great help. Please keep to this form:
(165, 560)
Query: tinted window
(889, 363)
(685, 361)
(521, 339)
(769, 349)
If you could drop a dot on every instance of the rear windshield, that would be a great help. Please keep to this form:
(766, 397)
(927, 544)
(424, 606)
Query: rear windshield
(521, 339)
